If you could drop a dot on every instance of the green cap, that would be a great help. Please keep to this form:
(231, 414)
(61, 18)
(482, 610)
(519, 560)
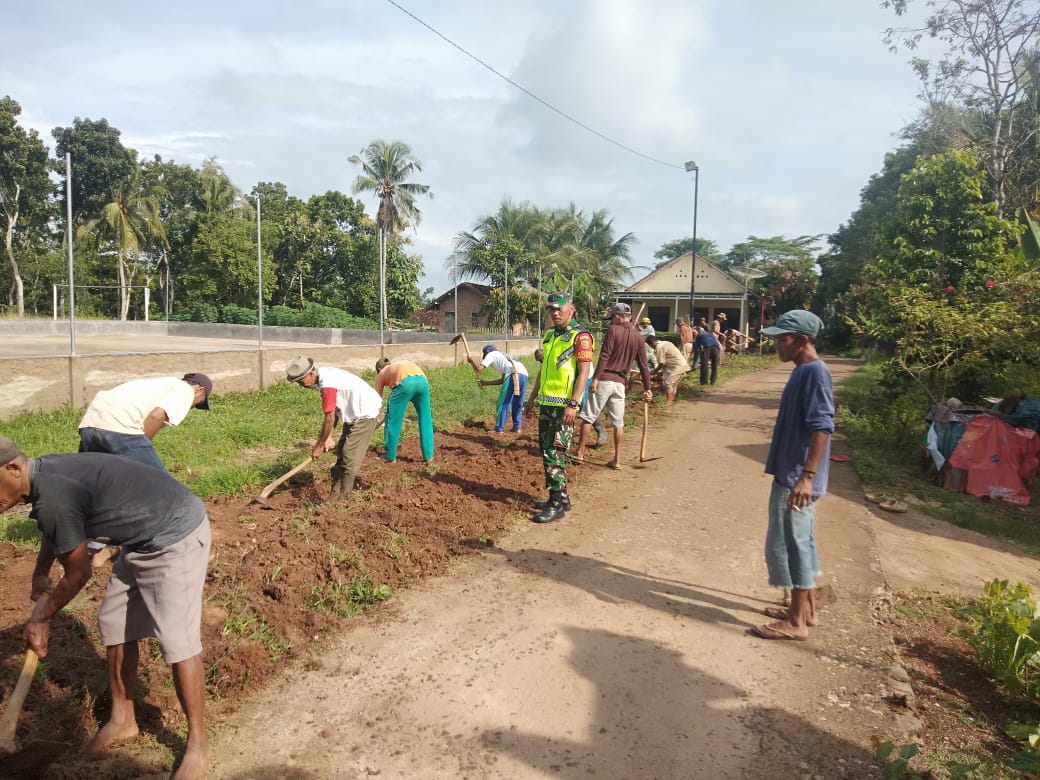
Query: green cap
(795, 321)
(557, 300)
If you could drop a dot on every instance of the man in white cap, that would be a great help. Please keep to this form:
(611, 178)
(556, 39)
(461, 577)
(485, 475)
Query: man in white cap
(799, 459)
(348, 398)
(124, 420)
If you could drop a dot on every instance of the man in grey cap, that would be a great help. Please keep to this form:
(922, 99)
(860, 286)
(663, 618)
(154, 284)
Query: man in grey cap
(799, 458)
(124, 420)
(156, 585)
(346, 398)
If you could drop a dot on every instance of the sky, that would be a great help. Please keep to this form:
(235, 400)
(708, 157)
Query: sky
(787, 108)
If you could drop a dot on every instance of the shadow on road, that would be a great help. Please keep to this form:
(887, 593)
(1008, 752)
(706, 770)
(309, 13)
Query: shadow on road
(688, 724)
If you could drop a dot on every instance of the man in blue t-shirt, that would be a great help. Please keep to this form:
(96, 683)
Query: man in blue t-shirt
(798, 459)
(156, 585)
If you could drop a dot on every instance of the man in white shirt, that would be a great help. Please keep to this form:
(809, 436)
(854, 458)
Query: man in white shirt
(513, 381)
(124, 420)
(346, 397)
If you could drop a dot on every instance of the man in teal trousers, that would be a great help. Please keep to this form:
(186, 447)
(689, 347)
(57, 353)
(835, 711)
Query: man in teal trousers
(408, 385)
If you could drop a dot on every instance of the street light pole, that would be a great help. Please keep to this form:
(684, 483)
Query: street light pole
(692, 166)
(259, 280)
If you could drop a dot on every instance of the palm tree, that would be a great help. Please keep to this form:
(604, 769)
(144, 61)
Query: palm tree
(219, 196)
(385, 166)
(131, 221)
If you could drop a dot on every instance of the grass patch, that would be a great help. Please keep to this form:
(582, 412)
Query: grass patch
(347, 600)
(19, 529)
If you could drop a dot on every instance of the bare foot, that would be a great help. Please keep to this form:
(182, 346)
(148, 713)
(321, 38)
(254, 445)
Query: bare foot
(193, 765)
(111, 734)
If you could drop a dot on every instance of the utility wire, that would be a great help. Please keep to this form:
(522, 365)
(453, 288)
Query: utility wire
(531, 95)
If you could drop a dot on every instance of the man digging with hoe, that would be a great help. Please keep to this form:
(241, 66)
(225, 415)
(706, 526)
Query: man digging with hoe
(156, 585)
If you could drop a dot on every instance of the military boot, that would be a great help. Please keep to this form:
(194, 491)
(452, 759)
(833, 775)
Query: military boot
(565, 501)
(553, 509)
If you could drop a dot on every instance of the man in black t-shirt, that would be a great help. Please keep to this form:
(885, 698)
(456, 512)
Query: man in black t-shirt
(156, 584)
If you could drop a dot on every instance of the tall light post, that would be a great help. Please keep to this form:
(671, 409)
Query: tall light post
(505, 298)
(692, 166)
(259, 280)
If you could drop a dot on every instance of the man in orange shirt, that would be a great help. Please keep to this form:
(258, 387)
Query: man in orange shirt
(409, 385)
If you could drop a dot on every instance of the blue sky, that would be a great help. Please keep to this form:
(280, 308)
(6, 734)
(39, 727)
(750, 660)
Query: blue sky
(787, 107)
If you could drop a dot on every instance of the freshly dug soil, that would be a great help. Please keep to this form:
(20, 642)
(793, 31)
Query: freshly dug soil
(279, 580)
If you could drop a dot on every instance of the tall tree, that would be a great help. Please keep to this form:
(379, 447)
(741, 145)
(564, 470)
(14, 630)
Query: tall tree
(130, 222)
(706, 248)
(24, 189)
(100, 164)
(989, 71)
(178, 189)
(385, 169)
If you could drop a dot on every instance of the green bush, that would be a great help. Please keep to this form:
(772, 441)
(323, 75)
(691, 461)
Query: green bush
(204, 312)
(1004, 629)
(237, 315)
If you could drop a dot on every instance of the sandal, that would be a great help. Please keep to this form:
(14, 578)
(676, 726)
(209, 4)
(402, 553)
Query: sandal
(893, 505)
(873, 496)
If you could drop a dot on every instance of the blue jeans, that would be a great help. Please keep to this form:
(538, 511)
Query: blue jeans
(135, 446)
(790, 547)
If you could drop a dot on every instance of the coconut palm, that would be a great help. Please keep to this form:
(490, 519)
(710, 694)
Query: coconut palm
(130, 221)
(385, 166)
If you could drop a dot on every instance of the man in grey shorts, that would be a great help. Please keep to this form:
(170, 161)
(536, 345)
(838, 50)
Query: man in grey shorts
(156, 585)
(622, 344)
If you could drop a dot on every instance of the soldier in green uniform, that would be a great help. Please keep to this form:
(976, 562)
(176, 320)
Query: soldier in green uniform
(558, 390)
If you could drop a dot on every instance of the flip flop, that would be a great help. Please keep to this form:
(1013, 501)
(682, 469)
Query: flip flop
(893, 505)
(839, 458)
(777, 613)
(768, 632)
(614, 466)
(873, 496)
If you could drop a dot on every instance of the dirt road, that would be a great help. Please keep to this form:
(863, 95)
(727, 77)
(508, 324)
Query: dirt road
(614, 644)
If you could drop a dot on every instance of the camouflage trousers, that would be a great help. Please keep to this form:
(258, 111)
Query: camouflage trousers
(554, 439)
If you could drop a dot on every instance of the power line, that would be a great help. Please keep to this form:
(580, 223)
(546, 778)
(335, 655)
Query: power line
(531, 95)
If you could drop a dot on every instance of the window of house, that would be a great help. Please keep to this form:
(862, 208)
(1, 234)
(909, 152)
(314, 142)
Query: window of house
(474, 320)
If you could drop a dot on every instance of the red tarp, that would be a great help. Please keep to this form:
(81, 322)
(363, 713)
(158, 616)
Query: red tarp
(999, 459)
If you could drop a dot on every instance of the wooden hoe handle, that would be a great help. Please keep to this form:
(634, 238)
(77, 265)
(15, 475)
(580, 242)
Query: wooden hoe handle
(9, 721)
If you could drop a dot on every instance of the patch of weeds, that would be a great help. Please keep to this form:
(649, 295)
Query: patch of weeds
(347, 600)
(396, 546)
(249, 627)
(276, 572)
(340, 557)
(301, 524)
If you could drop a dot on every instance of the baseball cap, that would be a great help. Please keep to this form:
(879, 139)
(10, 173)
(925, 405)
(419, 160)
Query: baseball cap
(298, 368)
(795, 321)
(619, 308)
(205, 383)
(488, 348)
(557, 300)
(8, 450)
